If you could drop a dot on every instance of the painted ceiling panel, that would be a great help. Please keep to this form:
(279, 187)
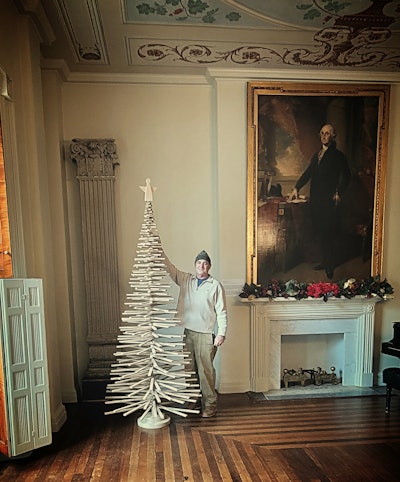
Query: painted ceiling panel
(313, 13)
(307, 14)
(190, 12)
(178, 35)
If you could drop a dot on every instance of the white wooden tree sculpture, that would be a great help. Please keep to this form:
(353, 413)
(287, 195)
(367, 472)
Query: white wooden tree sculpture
(150, 371)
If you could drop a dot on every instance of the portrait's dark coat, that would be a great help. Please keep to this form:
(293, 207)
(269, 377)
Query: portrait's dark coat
(328, 176)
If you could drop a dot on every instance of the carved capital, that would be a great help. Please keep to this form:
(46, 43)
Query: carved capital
(94, 157)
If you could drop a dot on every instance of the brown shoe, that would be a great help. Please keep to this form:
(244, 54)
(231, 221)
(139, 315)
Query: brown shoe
(209, 412)
(193, 406)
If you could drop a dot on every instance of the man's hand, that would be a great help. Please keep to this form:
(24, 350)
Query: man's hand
(293, 195)
(219, 339)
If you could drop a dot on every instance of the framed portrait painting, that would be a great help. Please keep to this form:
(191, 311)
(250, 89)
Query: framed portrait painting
(316, 180)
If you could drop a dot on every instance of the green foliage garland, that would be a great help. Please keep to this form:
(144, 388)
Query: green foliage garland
(350, 288)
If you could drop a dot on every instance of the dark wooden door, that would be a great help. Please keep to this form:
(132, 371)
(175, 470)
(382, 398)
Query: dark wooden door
(6, 270)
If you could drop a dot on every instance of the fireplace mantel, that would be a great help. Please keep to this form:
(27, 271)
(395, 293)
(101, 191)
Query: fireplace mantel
(272, 319)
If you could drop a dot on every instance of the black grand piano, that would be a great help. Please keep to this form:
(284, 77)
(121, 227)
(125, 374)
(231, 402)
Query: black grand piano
(389, 348)
(392, 347)
(391, 376)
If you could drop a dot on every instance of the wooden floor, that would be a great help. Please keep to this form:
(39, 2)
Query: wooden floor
(329, 439)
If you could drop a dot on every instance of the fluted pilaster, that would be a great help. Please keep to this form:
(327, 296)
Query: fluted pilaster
(96, 160)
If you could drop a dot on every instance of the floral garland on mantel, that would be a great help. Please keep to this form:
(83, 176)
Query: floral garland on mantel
(350, 288)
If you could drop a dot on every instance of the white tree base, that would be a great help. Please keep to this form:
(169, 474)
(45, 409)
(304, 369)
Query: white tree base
(149, 421)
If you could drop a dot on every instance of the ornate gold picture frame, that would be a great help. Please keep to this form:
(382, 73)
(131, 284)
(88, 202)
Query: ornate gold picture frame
(284, 125)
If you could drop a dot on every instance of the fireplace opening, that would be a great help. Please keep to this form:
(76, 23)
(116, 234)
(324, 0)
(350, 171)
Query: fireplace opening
(312, 351)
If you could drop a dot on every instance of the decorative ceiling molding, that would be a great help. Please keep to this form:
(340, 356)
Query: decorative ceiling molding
(333, 47)
(210, 74)
(82, 22)
(171, 36)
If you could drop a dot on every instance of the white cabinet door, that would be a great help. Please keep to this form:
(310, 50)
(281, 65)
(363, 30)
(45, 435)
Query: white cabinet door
(25, 364)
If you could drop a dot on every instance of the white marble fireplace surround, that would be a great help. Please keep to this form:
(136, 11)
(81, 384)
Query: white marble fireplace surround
(272, 319)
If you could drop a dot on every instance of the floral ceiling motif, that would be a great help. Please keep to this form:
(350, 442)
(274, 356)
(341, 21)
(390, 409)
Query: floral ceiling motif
(333, 48)
(312, 14)
(355, 35)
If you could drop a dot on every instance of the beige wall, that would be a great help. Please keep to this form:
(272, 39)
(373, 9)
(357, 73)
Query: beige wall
(389, 312)
(189, 137)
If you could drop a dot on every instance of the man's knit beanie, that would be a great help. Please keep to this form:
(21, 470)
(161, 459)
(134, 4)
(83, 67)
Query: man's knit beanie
(203, 255)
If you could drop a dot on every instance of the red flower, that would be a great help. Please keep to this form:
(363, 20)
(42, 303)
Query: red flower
(317, 290)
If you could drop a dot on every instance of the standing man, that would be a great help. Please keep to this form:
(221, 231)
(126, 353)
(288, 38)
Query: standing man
(329, 176)
(202, 309)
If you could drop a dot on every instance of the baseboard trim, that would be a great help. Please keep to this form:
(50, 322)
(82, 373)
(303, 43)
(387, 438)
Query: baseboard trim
(233, 387)
(69, 397)
(58, 418)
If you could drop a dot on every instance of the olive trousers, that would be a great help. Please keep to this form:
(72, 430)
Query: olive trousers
(202, 353)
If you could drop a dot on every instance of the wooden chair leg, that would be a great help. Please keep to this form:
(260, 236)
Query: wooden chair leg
(388, 396)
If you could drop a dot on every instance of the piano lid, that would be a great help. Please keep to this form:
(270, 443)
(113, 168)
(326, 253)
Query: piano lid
(390, 348)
